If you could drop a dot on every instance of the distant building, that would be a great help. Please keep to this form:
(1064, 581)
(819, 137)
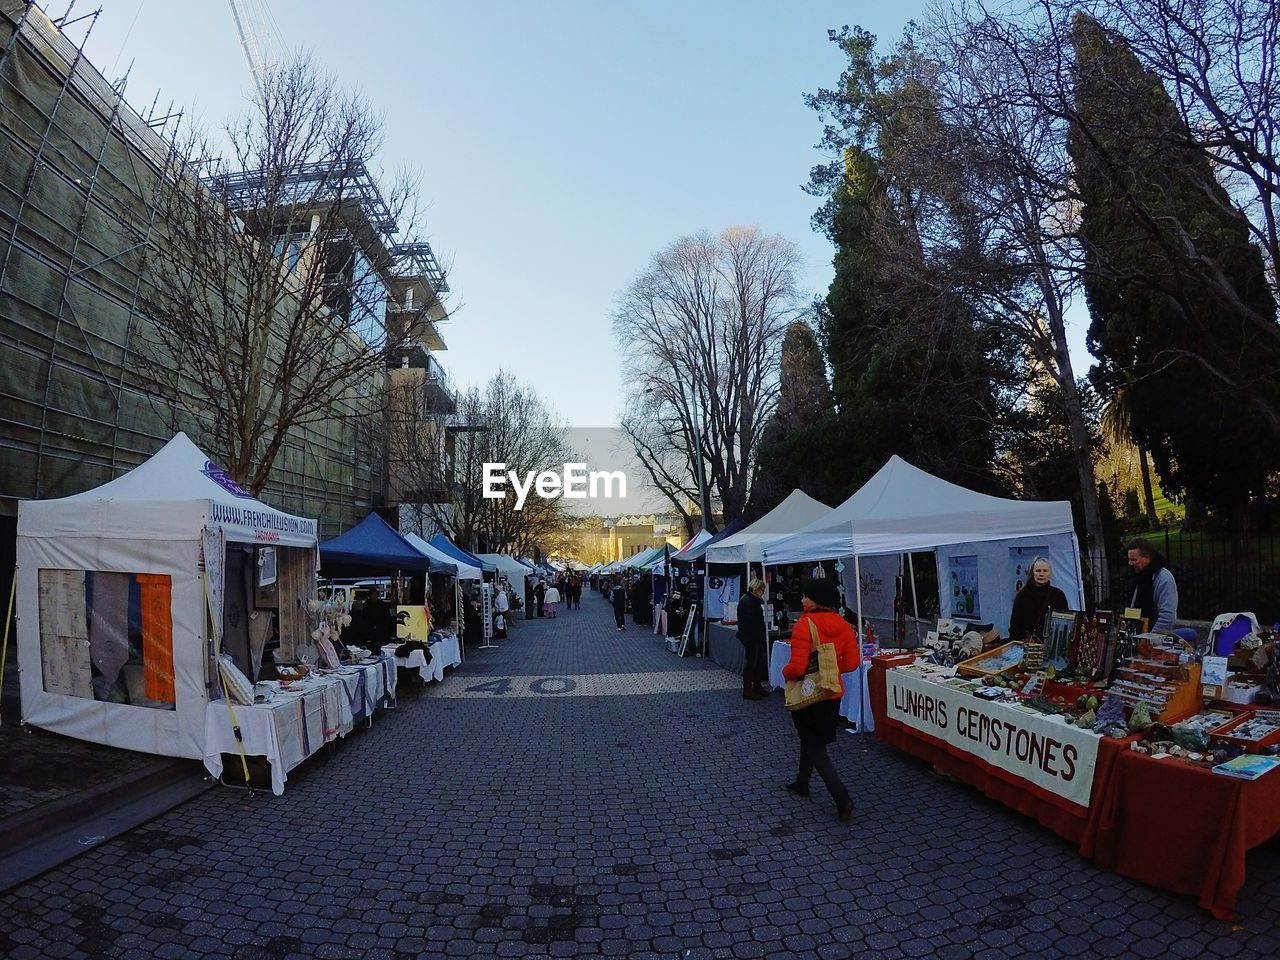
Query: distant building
(632, 534)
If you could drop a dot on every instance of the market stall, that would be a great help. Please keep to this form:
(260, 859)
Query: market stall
(123, 592)
(980, 542)
(293, 722)
(1097, 763)
(728, 562)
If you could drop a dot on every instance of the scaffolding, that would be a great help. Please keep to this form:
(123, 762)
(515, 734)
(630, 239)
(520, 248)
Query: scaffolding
(77, 215)
(419, 260)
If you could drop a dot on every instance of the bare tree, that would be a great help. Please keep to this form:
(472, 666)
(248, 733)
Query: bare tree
(972, 223)
(700, 332)
(270, 279)
(663, 448)
(1217, 60)
(441, 459)
(996, 218)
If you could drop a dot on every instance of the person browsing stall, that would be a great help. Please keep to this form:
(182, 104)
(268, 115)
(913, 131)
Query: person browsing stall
(1034, 601)
(816, 724)
(751, 633)
(1154, 590)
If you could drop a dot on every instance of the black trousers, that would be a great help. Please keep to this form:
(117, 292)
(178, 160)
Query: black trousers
(618, 614)
(813, 756)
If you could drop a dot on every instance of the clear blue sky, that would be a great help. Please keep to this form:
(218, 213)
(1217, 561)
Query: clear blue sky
(560, 143)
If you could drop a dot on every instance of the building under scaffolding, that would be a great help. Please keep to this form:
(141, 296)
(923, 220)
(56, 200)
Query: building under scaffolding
(77, 213)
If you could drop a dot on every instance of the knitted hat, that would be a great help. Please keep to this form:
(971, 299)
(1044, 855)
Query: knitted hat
(823, 593)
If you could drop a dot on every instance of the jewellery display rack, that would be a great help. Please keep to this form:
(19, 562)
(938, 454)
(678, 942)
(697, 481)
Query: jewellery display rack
(1171, 689)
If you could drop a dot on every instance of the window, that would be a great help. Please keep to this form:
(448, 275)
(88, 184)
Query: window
(107, 636)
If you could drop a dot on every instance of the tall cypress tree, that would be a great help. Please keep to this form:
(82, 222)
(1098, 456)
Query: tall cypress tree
(905, 380)
(1195, 374)
(804, 402)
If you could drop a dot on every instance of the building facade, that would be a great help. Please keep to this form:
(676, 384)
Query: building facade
(78, 214)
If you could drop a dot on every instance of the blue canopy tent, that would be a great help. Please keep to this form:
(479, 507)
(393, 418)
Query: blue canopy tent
(372, 545)
(451, 549)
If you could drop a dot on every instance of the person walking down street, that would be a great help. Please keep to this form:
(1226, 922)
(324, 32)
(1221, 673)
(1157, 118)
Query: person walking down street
(618, 597)
(752, 636)
(552, 600)
(540, 596)
(502, 607)
(1034, 601)
(1154, 591)
(816, 724)
(577, 593)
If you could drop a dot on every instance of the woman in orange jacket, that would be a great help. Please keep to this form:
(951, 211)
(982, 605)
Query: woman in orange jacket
(817, 724)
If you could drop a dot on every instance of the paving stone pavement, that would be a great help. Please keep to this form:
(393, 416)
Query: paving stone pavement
(503, 814)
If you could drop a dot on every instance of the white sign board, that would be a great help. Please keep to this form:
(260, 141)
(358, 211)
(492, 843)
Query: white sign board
(1057, 757)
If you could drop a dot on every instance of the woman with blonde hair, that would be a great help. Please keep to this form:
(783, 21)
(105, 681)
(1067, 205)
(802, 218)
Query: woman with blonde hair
(1034, 601)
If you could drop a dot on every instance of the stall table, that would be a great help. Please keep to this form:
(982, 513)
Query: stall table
(1139, 833)
(294, 725)
(1130, 825)
(723, 646)
(855, 705)
(444, 653)
(1069, 820)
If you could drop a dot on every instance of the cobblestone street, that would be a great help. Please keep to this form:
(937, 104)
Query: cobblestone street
(582, 792)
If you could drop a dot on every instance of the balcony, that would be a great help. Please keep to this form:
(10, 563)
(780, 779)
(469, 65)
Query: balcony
(438, 392)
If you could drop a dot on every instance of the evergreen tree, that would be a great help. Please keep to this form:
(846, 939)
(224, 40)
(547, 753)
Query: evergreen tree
(912, 380)
(1197, 378)
(804, 401)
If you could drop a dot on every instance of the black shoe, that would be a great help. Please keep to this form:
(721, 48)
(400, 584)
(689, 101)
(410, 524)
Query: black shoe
(752, 695)
(799, 789)
(844, 809)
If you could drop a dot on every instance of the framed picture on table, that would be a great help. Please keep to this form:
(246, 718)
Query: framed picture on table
(1061, 629)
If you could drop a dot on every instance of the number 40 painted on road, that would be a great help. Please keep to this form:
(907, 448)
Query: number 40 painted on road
(540, 685)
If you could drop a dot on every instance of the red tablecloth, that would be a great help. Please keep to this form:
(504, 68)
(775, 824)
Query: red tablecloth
(1068, 820)
(1141, 831)
(1134, 825)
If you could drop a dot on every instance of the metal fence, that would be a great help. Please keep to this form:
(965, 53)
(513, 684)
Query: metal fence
(1213, 575)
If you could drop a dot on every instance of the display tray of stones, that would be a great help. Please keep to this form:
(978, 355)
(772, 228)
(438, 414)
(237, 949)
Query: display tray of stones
(1161, 676)
(1254, 732)
(1159, 742)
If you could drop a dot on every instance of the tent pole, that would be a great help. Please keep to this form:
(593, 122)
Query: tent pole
(915, 603)
(857, 589)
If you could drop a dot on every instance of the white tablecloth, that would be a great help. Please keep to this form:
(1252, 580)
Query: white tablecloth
(444, 653)
(855, 705)
(294, 725)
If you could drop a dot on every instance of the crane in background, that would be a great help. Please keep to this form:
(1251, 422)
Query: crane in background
(255, 26)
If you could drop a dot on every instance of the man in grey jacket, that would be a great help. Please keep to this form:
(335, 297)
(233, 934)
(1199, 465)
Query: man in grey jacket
(1154, 591)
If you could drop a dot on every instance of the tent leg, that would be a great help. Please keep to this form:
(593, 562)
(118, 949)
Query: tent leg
(915, 603)
(857, 582)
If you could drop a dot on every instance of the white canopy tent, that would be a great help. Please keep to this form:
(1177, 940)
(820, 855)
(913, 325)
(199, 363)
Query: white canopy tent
(113, 599)
(796, 512)
(512, 569)
(903, 509)
(465, 570)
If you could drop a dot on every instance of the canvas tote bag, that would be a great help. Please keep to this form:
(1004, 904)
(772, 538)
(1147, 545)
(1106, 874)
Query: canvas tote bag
(822, 677)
